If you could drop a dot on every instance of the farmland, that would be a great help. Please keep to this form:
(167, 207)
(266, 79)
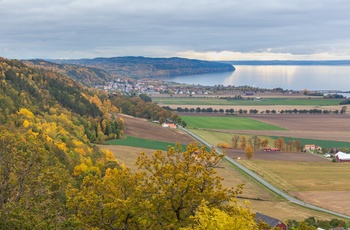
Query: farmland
(306, 176)
(142, 143)
(324, 180)
(236, 123)
(260, 198)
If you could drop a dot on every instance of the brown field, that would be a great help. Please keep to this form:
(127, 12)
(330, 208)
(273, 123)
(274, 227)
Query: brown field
(261, 199)
(277, 156)
(141, 128)
(323, 127)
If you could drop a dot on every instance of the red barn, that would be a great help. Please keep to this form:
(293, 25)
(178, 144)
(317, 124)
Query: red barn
(342, 157)
(272, 222)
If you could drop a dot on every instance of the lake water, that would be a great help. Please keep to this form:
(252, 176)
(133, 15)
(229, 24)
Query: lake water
(274, 76)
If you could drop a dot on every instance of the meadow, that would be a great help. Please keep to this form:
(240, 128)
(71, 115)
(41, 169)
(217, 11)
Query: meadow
(291, 176)
(229, 122)
(142, 143)
(323, 143)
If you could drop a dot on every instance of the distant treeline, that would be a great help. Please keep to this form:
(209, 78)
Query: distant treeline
(255, 111)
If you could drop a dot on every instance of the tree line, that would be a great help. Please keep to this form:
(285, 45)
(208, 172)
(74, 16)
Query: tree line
(255, 111)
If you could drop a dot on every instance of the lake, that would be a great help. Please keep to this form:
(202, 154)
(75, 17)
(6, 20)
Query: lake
(298, 77)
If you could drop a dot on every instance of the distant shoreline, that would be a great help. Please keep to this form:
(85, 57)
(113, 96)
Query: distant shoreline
(291, 62)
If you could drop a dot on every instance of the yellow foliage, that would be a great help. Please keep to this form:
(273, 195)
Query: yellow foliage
(249, 152)
(26, 123)
(77, 143)
(80, 151)
(49, 139)
(62, 146)
(26, 113)
(210, 218)
(80, 169)
(109, 155)
(223, 145)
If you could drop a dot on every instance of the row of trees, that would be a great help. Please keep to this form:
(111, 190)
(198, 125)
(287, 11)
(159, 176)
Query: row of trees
(311, 223)
(255, 111)
(251, 144)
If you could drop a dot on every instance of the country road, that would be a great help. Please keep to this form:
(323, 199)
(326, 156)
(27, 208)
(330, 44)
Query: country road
(265, 183)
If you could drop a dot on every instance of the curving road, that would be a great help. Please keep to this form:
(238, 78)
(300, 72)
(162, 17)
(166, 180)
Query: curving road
(265, 183)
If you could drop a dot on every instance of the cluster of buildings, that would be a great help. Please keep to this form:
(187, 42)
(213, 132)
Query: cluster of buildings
(338, 156)
(158, 86)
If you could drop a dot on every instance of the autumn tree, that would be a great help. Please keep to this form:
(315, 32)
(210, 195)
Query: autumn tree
(249, 152)
(256, 142)
(279, 143)
(179, 181)
(112, 202)
(165, 193)
(264, 143)
(239, 216)
(235, 140)
(243, 142)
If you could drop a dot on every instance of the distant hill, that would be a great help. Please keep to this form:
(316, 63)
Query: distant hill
(86, 75)
(137, 67)
(290, 62)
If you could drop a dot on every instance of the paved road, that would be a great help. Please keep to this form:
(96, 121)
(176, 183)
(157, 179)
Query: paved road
(265, 183)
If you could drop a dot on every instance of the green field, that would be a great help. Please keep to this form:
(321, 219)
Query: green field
(215, 138)
(268, 101)
(232, 123)
(322, 143)
(142, 143)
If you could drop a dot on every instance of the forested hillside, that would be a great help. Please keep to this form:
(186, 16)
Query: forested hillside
(138, 67)
(86, 75)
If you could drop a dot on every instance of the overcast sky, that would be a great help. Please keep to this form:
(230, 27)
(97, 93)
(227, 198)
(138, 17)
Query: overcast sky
(203, 29)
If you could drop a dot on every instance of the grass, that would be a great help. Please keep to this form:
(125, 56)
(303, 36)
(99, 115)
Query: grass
(303, 176)
(267, 101)
(215, 137)
(142, 143)
(232, 123)
(322, 143)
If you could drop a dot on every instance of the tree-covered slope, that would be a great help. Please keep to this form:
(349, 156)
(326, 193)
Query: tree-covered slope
(86, 75)
(138, 67)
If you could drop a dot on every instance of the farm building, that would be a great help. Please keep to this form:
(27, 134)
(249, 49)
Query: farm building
(312, 147)
(172, 126)
(271, 149)
(342, 157)
(272, 222)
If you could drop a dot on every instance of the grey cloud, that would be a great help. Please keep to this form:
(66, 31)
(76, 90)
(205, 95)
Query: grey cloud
(51, 28)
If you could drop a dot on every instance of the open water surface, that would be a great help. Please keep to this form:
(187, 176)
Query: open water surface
(301, 77)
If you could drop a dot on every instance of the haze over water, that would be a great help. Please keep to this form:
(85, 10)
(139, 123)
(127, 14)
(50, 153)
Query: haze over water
(296, 77)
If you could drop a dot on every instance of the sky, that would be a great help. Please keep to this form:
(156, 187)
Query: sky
(200, 29)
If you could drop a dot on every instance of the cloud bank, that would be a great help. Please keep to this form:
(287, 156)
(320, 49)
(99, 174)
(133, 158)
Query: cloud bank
(212, 29)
